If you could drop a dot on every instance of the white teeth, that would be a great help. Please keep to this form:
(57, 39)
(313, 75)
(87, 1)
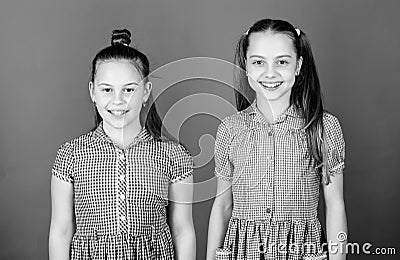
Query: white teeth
(117, 112)
(271, 85)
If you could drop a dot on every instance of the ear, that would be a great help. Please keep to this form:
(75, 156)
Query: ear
(91, 86)
(298, 65)
(147, 90)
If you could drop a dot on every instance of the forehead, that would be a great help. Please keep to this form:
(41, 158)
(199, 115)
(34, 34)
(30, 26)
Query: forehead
(270, 44)
(117, 71)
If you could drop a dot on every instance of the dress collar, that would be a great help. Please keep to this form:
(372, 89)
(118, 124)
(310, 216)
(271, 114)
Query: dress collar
(259, 117)
(100, 134)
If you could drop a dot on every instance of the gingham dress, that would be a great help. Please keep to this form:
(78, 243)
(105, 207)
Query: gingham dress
(120, 196)
(275, 188)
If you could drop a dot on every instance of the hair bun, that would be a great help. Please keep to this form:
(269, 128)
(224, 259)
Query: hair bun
(121, 37)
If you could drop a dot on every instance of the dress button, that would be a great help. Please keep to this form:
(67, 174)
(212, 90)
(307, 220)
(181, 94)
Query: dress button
(122, 218)
(121, 157)
(122, 177)
(268, 210)
(269, 132)
(122, 196)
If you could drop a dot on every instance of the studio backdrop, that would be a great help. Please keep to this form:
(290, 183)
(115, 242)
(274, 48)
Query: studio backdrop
(45, 56)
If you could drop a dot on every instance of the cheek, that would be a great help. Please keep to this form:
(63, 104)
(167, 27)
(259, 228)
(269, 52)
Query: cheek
(288, 73)
(253, 83)
(252, 75)
(100, 100)
(290, 79)
(254, 71)
(136, 99)
(101, 109)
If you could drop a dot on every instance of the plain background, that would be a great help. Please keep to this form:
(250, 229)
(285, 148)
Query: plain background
(45, 54)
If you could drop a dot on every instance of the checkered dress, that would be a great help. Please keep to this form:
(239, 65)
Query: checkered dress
(275, 188)
(120, 196)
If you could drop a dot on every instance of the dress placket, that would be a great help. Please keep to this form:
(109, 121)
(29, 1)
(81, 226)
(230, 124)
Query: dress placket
(270, 170)
(122, 208)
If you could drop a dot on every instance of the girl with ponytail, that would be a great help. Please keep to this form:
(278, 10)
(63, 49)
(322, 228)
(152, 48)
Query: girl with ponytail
(273, 156)
(110, 187)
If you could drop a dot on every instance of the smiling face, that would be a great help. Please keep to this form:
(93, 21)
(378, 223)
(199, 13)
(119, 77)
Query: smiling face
(271, 64)
(119, 93)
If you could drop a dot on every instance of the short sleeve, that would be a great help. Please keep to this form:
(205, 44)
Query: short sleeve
(223, 166)
(181, 163)
(63, 164)
(335, 144)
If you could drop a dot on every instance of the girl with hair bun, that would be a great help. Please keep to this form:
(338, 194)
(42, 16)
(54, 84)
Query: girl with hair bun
(110, 188)
(275, 154)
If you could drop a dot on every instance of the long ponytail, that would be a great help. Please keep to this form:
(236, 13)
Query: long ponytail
(244, 94)
(307, 97)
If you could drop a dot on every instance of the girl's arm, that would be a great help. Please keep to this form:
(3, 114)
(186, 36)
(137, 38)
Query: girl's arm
(62, 219)
(180, 219)
(336, 223)
(219, 218)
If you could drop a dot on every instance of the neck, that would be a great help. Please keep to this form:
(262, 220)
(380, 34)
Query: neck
(122, 137)
(271, 110)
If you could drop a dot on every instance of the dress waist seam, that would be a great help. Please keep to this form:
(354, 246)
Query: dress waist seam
(270, 220)
(148, 230)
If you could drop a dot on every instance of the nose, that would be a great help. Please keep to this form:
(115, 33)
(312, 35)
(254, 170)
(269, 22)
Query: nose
(118, 98)
(269, 71)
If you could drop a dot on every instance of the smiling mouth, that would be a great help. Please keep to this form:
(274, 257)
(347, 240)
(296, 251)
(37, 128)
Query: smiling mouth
(118, 113)
(271, 86)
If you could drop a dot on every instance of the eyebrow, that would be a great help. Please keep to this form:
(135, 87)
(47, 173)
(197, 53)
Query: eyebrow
(130, 84)
(125, 85)
(278, 57)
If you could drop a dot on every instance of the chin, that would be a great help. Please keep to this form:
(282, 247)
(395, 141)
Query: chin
(276, 96)
(116, 125)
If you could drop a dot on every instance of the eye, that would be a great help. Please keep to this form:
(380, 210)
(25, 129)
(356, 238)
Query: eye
(258, 62)
(129, 90)
(282, 62)
(107, 90)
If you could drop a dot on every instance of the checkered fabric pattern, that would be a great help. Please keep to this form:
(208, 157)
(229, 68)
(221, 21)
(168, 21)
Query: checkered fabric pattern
(275, 187)
(120, 196)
